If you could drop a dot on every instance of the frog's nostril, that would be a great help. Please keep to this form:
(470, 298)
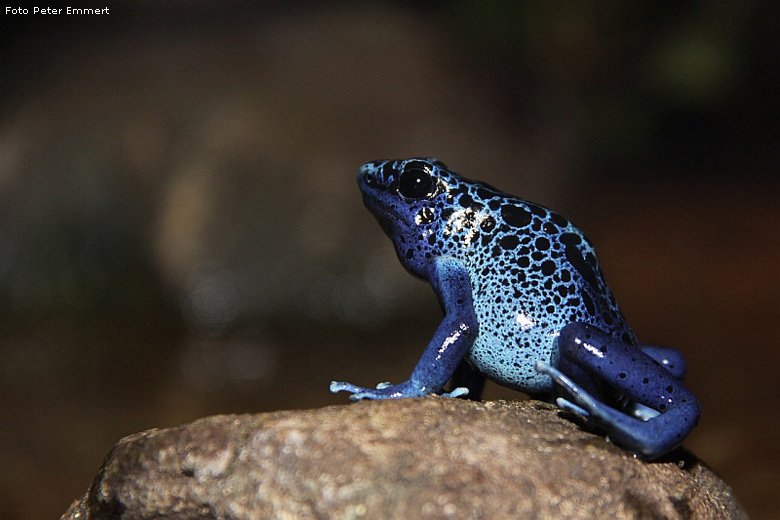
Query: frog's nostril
(369, 173)
(364, 172)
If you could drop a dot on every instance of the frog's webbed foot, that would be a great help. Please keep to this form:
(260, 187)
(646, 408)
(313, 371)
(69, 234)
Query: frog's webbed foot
(585, 399)
(382, 390)
(390, 391)
(661, 411)
(358, 392)
(590, 409)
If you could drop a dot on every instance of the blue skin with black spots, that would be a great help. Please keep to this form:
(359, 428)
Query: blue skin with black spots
(526, 306)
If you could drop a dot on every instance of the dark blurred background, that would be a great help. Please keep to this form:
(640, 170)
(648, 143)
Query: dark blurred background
(181, 233)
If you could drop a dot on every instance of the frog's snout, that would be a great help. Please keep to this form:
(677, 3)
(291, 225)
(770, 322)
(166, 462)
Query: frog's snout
(368, 174)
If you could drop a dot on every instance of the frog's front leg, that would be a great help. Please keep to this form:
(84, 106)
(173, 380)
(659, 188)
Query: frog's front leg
(450, 343)
(638, 376)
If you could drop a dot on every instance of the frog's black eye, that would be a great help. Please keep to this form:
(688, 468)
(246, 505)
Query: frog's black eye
(415, 182)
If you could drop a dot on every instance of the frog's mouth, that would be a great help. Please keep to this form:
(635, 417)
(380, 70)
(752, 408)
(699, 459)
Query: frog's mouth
(390, 219)
(383, 213)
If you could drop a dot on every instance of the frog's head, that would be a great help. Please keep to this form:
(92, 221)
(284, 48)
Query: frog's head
(413, 201)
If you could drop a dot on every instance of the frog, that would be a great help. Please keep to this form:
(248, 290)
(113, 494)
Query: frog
(526, 305)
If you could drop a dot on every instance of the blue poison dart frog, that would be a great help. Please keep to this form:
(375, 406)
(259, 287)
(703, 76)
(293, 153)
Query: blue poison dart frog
(525, 306)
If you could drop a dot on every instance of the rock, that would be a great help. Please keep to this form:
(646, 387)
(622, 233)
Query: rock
(409, 458)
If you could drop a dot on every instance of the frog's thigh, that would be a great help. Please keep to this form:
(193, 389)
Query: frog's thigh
(627, 368)
(642, 380)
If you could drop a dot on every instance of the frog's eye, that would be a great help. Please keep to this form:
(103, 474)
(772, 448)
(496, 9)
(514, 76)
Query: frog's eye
(415, 182)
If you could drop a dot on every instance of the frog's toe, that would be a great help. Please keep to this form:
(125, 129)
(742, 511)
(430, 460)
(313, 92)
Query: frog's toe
(342, 386)
(568, 406)
(585, 403)
(456, 392)
(642, 412)
(359, 393)
(557, 376)
(545, 368)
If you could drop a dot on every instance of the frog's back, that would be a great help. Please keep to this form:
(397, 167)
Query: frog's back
(532, 273)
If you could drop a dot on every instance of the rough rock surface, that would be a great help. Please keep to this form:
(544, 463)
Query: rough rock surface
(410, 458)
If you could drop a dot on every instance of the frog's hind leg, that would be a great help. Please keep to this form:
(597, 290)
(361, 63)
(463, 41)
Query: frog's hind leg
(637, 376)
(669, 358)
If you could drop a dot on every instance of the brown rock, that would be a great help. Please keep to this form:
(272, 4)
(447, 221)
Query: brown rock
(409, 458)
